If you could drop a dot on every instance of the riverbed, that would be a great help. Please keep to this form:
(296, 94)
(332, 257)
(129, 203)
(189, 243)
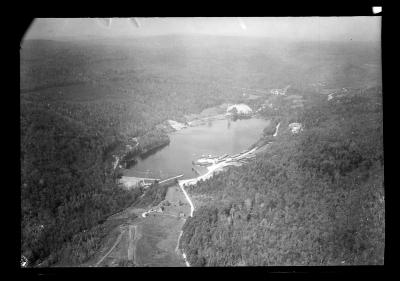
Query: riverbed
(214, 138)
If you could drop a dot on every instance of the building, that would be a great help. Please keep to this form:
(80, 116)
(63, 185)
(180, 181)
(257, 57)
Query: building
(295, 127)
(24, 261)
(239, 109)
(281, 92)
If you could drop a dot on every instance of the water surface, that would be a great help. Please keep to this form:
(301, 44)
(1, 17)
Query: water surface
(187, 145)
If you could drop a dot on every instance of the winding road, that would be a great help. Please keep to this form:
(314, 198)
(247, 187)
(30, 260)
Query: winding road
(181, 183)
(277, 128)
(211, 170)
(134, 232)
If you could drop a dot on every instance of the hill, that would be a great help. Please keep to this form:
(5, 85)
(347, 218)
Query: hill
(85, 102)
(313, 198)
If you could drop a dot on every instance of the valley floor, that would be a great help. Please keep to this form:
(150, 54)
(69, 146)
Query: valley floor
(146, 241)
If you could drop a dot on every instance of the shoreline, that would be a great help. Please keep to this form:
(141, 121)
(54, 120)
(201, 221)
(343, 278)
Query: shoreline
(211, 171)
(225, 161)
(215, 166)
(218, 165)
(169, 126)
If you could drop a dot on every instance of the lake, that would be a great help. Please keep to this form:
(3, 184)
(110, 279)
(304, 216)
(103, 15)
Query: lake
(215, 138)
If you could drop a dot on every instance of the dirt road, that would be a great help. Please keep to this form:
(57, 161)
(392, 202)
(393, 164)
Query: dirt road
(131, 242)
(138, 235)
(276, 130)
(112, 248)
(151, 240)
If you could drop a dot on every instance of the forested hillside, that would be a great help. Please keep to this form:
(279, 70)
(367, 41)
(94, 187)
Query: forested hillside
(83, 102)
(64, 187)
(315, 198)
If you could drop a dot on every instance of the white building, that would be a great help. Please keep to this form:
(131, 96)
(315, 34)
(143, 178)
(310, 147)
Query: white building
(277, 92)
(281, 92)
(295, 127)
(241, 109)
(176, 125)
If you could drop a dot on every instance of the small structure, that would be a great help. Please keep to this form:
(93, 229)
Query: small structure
(295, 127)
(276, 92)
(205, 161)
(24, 261)
(176, 125)
(239, 109)
(134, 182)
(165, 203)
(337, 95)
(281, 92)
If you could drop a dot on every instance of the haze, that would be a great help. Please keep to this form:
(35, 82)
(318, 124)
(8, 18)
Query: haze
(294, 28)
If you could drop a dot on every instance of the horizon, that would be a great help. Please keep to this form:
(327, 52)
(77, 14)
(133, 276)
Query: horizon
(335, 29)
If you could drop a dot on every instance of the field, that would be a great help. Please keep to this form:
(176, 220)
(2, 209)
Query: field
(149, 241)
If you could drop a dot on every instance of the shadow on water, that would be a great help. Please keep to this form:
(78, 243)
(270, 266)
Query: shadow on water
(130, 163)
(134, 160)
(222, 137)
(152, 151)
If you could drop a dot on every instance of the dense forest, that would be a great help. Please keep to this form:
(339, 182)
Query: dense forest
(64, 187)
(80, 105)
(315, 198)
(83, 102)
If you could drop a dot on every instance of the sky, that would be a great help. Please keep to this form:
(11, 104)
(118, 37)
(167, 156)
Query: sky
(294, 28)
